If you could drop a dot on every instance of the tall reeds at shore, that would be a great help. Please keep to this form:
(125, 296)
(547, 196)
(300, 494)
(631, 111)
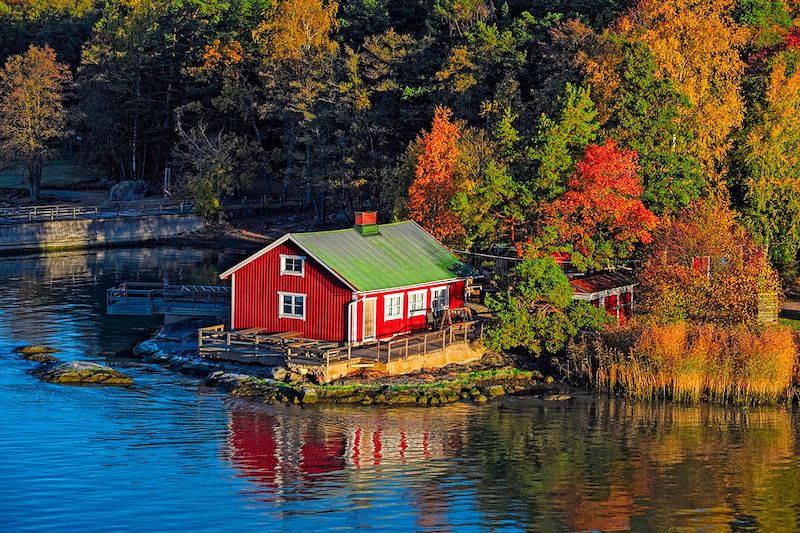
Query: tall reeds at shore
(690, 362)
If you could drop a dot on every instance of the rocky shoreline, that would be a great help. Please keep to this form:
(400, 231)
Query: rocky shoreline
(494, 376)
(52, 370)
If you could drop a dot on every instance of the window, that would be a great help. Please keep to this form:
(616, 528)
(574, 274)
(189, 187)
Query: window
(416, 303)
(392, 306)
(440, 298)
(291, 305)
(292, 265)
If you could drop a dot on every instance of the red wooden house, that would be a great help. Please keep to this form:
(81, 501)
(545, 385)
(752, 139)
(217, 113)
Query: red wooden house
(354, 285)
(612, 291)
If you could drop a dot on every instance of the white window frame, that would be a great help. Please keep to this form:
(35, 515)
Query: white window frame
(386, 306)
(418, 312)
(294, 295)
(285, 272)
(446, 290)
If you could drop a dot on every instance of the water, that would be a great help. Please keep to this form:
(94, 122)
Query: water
(172, 455)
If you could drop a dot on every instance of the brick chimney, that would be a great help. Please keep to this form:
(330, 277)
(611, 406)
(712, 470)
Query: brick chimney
(367, 222)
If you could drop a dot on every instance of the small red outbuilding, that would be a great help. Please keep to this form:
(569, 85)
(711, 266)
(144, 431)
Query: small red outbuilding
(354, 285)
(612, 291)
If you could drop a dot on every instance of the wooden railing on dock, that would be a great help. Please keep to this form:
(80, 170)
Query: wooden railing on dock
(137, 298)
(254, 345)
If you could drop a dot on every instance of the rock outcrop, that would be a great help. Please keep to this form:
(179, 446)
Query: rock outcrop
(126, 191)
(35, 349)
(80, 372)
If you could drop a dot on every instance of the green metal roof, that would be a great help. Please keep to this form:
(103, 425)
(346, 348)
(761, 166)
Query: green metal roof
(400, 255)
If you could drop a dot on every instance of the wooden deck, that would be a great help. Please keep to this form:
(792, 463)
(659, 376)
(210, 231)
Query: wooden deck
(254, 346)
(144, 299)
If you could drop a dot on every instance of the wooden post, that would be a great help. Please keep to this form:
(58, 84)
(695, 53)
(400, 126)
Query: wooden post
(444, 339)
(349, 351)
(388, 352)
(406, 348)
(327, 365)
(425, 344)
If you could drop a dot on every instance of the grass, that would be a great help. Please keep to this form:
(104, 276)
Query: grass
(790, 323)
(692, 362)
(58, 174)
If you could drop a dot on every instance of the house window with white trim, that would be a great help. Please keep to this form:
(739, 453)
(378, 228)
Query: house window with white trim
(440, 298)
(392, 306)
(292, 305)
(292, 265)
(416, 303)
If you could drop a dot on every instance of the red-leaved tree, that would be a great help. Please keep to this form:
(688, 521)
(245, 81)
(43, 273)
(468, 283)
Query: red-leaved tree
(435, 184)
(601, 215)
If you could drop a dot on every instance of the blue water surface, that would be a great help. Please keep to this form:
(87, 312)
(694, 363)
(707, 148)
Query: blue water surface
(170, 454)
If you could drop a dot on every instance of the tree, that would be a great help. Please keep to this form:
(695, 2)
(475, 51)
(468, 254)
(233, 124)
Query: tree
(32, 89)
(296, 54)
(213, 165)
(490, 203)
(534, 310)
(644, 114)
(767, 164)
(560, 142)
(696, 45)
(601, 216)
(704, 266)
(434, 186)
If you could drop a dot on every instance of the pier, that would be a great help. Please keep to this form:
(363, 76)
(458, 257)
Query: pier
(144, 299)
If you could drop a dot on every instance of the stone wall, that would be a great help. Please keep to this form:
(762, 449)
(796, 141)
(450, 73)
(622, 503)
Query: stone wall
(455, 353)
(87, 233)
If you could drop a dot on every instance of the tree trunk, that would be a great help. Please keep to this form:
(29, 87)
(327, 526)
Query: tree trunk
(35, 177)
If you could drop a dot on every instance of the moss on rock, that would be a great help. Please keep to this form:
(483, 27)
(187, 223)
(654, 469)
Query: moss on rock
(35, 349)
(82, 372)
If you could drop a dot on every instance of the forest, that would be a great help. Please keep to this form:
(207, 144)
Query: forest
(657, 136)
(567, 125)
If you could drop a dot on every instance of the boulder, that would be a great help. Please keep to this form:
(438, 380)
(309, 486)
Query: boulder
(279, 373)
(39, 357)
(35, 349)
(78, 372)
(126, 191)
(401, 398)
(556, 397)
(309, 395)
(495, 390)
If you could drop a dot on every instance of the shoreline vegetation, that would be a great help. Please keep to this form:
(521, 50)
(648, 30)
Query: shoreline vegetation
(689, 363)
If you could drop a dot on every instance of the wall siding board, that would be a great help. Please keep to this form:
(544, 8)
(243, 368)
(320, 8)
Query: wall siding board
(255, 300)
(389, 328)
(256, 297)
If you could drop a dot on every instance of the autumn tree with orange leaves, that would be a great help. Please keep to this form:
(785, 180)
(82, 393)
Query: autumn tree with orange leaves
(435, 182)
(601, 216)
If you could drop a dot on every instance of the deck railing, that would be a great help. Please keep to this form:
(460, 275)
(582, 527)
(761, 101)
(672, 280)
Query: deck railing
(138, 295)
(250, 345)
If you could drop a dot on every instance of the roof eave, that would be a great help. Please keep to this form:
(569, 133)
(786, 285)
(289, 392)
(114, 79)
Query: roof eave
(287, 237)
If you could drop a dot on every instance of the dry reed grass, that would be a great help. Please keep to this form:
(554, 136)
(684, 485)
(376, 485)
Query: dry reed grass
(691, 362)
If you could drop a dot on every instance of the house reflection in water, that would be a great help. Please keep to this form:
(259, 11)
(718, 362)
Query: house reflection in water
(283, 455)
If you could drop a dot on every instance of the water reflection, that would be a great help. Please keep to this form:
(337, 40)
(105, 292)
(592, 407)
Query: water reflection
(172, 455)
(594, 466)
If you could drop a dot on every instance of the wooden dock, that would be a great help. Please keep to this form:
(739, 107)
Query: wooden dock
(144, 299)
(255, 346)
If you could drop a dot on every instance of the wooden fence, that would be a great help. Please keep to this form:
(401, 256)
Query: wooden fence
(37, 213)
(252, 345)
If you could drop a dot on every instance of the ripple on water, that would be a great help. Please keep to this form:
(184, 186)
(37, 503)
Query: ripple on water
(172, 455)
